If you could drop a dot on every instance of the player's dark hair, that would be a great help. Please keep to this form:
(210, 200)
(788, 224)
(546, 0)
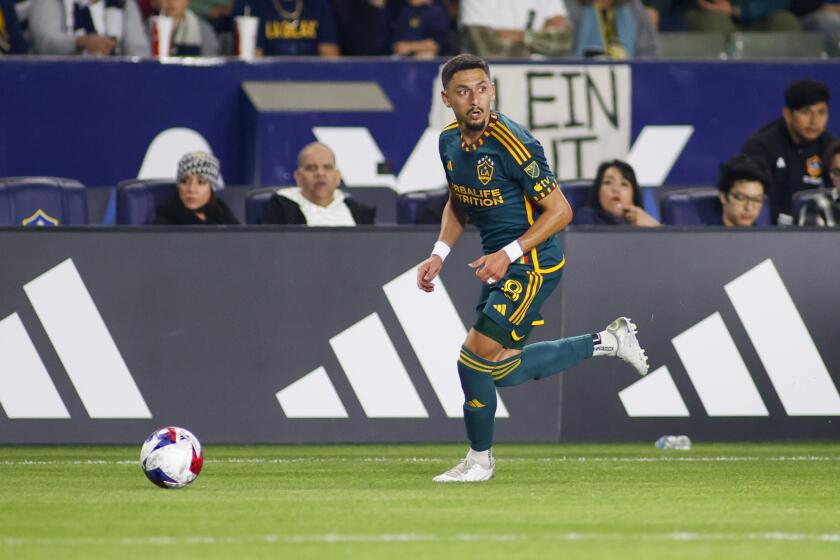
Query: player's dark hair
(626, 171)
(462, 62)
(742, 168)
(804, 93)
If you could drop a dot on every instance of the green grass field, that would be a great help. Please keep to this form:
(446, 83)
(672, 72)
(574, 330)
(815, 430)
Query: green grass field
(547, 501)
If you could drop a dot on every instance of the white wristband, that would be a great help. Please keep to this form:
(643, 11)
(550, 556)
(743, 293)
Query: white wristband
(441, 249)
(513, 250)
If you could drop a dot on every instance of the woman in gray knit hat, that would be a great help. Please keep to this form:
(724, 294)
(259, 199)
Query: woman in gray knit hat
(195, 202)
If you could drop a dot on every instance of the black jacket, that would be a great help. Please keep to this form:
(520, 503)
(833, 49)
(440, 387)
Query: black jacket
(281, 210)
(792, 167)
(173, 212)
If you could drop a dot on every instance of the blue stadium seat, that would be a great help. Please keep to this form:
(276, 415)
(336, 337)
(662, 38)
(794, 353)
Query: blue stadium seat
(801, 198)
(42, 201)
(255, 202)
(576, 192)
(699, 207)
(137, 199)
(410, 205)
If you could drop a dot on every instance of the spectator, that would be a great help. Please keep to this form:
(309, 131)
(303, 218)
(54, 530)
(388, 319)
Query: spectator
(196, 202)
(742, 187)
(97, 27)
(617, 29)
(316, 200)
(363, 26)
(191, 36)
(615, 198)
(818, 15)
(727, 16)
(12, 40)
(292, 27)
(517, 27)
(420, 29)
(792, 147)
(824, 208)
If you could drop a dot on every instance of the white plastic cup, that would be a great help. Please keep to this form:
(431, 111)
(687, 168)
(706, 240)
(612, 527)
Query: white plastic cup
(246, 33)
(161, 35)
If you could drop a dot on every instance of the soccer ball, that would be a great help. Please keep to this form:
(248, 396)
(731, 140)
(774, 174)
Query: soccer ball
(171, 457)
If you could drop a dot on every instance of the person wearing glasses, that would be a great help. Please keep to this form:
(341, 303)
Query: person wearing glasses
(742, 186)
(793, 146)
(824, 208)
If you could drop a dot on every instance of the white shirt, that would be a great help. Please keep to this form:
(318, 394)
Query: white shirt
(335, 214)
(511, 14)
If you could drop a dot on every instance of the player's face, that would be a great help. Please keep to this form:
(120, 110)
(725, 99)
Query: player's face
(317, 176)
(807, 123)
(834, 172)
(470, 94)
(195, 191)
(616, 192)
(743, 203)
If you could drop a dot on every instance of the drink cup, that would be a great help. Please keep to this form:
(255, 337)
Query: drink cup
(161, 35)
(246, 36)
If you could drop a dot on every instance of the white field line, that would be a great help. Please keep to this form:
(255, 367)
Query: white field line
(337, 538)
(261, 460)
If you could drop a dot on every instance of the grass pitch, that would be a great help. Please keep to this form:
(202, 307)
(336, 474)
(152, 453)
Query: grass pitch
(547, 501)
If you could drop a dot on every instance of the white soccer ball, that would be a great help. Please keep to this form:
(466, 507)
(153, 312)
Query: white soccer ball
(171, 457)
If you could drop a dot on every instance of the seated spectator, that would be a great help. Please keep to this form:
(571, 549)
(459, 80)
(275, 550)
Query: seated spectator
(615, 198)
(727, 16)
(742, 186)
(792, 147)
(363, 26)
(292, 27)
(316, 200)
(195, 202)
(616, 29)
(191, 36)
(824, 208)
(420, 29)
(818, 15)
(517, 28)
(96, 27)
(12, 40)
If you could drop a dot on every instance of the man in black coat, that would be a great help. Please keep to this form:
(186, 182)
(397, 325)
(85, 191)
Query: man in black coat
(316, 200)
(793, 146)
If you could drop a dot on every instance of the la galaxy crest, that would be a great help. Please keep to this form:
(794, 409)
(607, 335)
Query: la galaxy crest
(814, 166)
(485, 168)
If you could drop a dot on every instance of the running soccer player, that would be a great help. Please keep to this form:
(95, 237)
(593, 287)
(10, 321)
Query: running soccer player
(499, 179)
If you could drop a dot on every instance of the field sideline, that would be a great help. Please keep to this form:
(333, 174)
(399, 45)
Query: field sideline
(365, 501)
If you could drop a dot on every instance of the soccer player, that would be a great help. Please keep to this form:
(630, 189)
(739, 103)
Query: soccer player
(499, 179)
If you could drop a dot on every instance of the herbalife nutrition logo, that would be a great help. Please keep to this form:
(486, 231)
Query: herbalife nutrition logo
(717, 370)
(84, 345)
(374, 368)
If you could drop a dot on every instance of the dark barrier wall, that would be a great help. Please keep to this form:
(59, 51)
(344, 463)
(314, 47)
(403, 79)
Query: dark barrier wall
(99, 135)
(320, 336)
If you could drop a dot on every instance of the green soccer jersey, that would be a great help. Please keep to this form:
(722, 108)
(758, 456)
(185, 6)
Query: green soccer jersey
(498, 180)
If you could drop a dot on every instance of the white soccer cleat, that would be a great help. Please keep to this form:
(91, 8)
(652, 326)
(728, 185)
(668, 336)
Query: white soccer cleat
(467, 470)
(628, 345)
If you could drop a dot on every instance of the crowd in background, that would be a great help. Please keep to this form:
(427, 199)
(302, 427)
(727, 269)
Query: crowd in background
(615, 29)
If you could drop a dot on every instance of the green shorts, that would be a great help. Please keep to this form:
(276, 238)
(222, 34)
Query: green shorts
(509, 309)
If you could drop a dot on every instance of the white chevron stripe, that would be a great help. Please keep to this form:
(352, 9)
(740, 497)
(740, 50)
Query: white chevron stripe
(783, 342)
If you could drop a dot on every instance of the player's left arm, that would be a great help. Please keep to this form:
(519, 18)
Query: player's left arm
(556, 215)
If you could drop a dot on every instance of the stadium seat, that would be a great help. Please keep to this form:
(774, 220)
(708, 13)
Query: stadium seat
(576, 192)
(801, 198)
(255, 202)
(692, 45)
(410, 205)
(42, 201)
(137, 199)
(763, 45)
(699, 207)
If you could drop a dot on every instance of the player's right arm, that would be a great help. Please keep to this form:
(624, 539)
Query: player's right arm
(451, 227)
